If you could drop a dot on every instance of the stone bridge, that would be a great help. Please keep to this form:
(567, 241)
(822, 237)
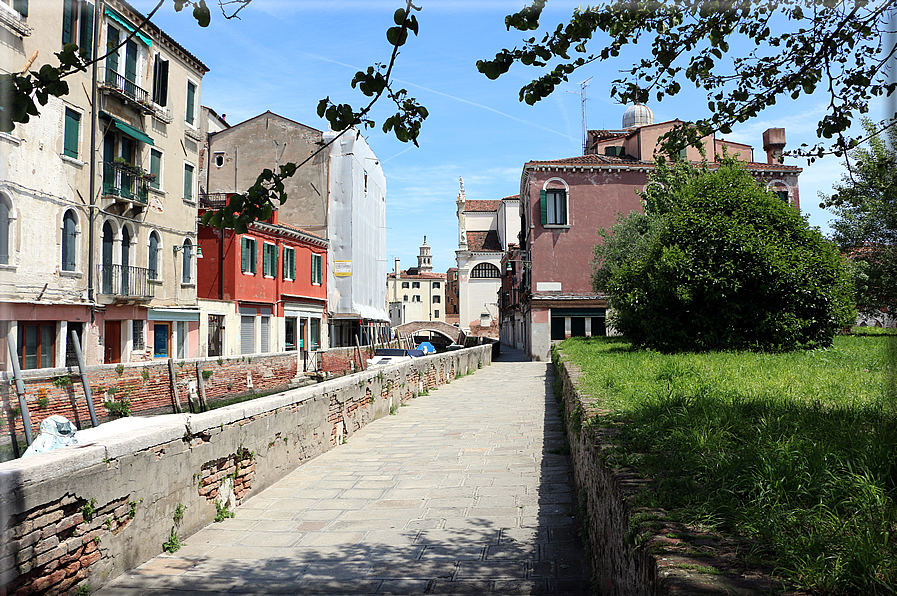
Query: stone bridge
(449, 331)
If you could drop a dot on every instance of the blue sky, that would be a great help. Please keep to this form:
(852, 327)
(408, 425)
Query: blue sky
(286, 55)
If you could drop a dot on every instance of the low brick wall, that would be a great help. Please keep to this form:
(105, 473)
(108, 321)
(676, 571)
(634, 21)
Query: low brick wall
(636, 551)
(85, 515)
(146, 385)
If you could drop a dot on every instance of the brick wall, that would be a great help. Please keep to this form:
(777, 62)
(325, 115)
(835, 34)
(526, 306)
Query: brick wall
(73, 517)
(147, 386)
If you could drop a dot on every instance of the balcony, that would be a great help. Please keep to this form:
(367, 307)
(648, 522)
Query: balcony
(213, 200)
(126, 283)
(125, 182)
(128, 91)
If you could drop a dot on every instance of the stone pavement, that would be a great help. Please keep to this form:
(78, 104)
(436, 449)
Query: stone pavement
(465, 491)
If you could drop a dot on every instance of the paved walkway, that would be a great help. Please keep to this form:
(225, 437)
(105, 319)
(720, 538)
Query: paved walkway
(462, 492)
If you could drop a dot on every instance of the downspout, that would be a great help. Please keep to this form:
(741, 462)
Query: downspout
(91, 213)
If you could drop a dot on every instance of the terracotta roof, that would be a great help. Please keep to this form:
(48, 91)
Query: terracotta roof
(481, 205)
(511, 198)
(483, 241)
(608, 160)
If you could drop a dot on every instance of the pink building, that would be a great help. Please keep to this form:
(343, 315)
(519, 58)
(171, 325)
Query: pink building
(564, 202)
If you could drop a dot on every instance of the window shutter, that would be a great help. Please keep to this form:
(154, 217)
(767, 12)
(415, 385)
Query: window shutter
(252, 256)
(111, 59)
(70, 140)
(131, 61)
(68, 18)
(191, 99)
(244, 263)
(4, 233)
(543, 206)
(562, 208)
(274, 252)
(85, 37)
(156, 68)
(188, 182)
(293, 264)
(21, 6)
(156, 168)
(163, 83)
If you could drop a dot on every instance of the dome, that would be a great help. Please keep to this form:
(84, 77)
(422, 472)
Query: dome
(637, 115)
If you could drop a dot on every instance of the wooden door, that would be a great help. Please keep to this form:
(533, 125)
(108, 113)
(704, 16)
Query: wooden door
(112, 342)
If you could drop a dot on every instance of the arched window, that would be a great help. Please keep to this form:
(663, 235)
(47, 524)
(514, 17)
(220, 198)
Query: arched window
(107, 266)
(4, 231)
(69, 234)
(153, 257)
(485, 270)
(125, 261)
(187, 274)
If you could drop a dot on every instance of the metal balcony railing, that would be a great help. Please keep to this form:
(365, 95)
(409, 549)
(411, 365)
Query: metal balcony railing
(125, 182)
(213, 200)
(128, 89)
(127, 282)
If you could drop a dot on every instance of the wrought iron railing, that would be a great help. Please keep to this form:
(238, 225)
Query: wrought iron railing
(213, 200)
(124, 181)
(126, 281)
(128, 88)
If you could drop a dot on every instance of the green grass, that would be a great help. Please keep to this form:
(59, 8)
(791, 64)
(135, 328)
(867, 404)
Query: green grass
(795, 450)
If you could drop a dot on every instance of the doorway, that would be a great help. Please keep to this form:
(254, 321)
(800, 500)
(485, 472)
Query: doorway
(112, 341)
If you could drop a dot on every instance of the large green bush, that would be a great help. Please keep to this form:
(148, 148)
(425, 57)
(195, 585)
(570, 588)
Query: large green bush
(731, 266)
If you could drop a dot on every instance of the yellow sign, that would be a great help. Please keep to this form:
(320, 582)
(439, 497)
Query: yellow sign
(342, 268)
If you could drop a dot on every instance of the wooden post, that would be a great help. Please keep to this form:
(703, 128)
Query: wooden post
(201, 385)
(175, 400)
(358, 348)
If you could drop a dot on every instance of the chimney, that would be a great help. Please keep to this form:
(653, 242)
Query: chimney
(774, 144)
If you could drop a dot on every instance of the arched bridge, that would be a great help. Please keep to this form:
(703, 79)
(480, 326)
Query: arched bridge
(449, 331)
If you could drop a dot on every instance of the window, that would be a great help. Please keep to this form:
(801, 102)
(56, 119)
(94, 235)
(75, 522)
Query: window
(553, 204)
(436, 314)
(247, 334)
(72, 133)
(783, 195)
(314, 332)
(155, 169)
(182, 339)
(485, 270)
(77, 25)
(406, 298)
(289, 263)
(188, 183)
(69, 234)
(137, 335)
(415, 298)
(219, 159)
(269, 260)
(317, 269)
(435, 285)
(405, 284)
(191, 103)
(265, 333)
(415, 284)
(37, 344)
(161, 336)
(247, 264)
(4, 231)
(160, 81)
(20, 6)
(437, 299)
(187, 262)
(216, 339)
(152, 260)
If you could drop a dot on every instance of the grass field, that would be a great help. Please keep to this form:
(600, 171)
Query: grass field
(797, 451)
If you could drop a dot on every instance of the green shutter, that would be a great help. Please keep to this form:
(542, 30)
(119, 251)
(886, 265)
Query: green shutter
(252, 256)
(191, 99)
(111, 59)
(155, 168)
(131, 62)
(293, 264)
(21, 6)
(244, 261)
(68, 19)
(72, 126)
(188, 182)
(543, 206)
(85, 37)
(274, 252)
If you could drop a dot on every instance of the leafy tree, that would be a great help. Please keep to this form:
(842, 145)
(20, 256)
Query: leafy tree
(865, 203)
(22, 92)
(841, 47)
(728, 266)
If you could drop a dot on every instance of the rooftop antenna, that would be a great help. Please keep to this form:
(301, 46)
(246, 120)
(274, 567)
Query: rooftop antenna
(585, 126)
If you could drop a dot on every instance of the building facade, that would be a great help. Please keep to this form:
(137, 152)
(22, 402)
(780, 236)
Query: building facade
(417, 294)
(99, 193)
(485, 230)
(567, 200)
(262, 291)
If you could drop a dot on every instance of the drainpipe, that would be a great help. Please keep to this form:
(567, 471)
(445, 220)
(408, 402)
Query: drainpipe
(91, 240)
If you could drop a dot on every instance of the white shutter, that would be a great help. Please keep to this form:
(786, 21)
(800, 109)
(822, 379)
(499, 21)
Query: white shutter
(266, 321)
(247, 334)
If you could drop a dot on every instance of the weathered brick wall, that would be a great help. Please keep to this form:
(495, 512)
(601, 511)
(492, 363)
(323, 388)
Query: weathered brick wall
(85, 515)
(147, 386)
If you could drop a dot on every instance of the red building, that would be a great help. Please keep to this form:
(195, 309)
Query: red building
(262, 291)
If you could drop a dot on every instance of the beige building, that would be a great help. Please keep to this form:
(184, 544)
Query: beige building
(98, 206)
(417, 294)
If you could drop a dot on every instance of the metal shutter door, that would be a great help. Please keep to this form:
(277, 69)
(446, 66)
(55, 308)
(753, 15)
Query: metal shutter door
(247, 334)
(266, 321)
